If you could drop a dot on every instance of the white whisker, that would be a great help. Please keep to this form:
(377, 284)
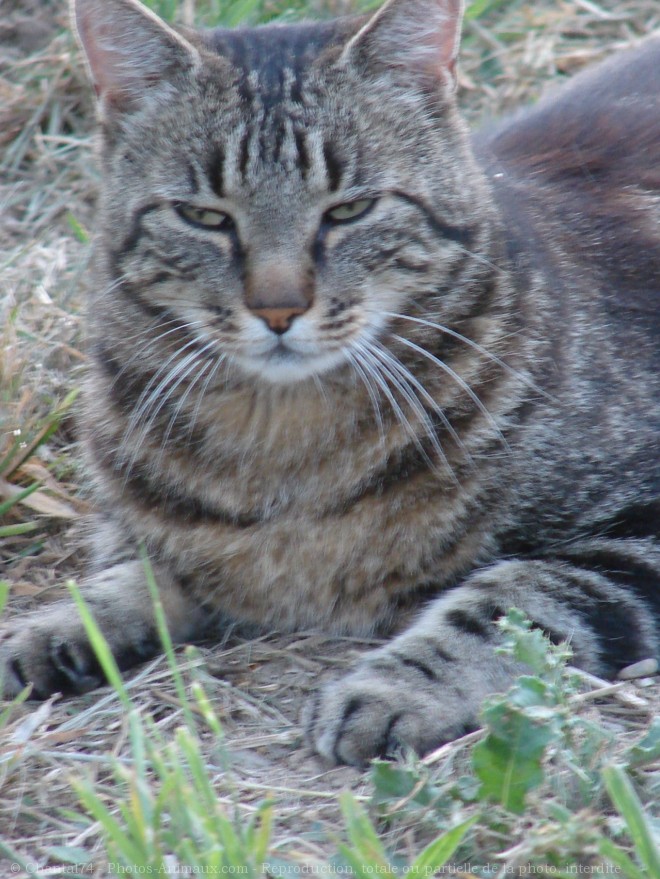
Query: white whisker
(170, 383)
(376, 371)
(355, 359)
(459, 381)
(140, 350)
(200, 397)
(412, 380)
(474, 345)
(175, 415)
(152, 389)
(152, 401)
(399, 379)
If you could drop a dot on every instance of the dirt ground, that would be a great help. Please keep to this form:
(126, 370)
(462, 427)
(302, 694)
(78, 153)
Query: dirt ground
(47, 192)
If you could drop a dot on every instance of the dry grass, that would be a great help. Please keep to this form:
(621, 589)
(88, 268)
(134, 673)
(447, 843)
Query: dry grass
(47, 186)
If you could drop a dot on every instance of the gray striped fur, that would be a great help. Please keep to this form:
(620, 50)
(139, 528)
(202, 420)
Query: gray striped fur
(443, 407)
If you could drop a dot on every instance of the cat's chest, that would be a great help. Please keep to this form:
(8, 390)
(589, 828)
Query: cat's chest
(322, 548)
(301, 455)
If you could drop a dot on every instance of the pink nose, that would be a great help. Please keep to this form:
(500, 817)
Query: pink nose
(278, 319)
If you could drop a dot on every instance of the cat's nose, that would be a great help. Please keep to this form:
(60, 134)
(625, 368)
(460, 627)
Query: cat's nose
(278, 319)
(278, 291)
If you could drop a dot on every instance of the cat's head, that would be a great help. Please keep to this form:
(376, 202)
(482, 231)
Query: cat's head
(282, 190)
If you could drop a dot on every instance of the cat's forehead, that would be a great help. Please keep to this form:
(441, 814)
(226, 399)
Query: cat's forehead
(273, 132)
(277, 56)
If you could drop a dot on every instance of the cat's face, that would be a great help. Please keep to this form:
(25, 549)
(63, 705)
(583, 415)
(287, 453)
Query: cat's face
(284, 202)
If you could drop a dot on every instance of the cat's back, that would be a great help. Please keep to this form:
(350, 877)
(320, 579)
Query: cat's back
(584, 166)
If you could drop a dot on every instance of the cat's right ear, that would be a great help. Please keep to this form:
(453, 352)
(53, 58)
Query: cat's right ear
(130, 51)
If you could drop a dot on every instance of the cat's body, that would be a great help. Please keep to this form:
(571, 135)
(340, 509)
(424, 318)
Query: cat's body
(340, 367)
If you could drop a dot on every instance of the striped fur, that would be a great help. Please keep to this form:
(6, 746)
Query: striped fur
(445, 399)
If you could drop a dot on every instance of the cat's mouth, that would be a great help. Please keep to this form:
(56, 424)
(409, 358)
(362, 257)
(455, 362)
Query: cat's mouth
(289, 362)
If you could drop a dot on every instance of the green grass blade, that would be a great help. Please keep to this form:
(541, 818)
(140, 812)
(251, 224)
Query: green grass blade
(259, 833)
(206, 710)
(77, 228)
(18, 529)
(627, 802)
(240, 12)
(188, 746)
(15, 858)
(437, 853)
(647, 750)
(6, 506)
(6, 713)
(355, 861)
(100, 646)
(361, 832)
(479, 8)
(8, 457)
(620, 859)
(48, 428)
(166, 639)
(111, 827)
(4, 595)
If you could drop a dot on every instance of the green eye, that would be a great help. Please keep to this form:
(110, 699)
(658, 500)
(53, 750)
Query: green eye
(205, 217)
(350, 210)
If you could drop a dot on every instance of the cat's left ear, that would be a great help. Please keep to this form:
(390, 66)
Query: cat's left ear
(419, 39)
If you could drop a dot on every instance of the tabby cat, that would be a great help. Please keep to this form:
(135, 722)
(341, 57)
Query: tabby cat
(349, 362)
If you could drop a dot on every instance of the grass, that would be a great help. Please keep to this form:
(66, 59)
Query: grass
(170, 804)
(211, 737)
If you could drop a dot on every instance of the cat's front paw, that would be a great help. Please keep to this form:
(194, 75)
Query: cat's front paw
(373, 712)
(48, 653)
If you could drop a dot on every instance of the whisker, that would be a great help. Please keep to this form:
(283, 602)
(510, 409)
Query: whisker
(151, 400)
(167, 387)
(402, 385)
(173, 418)
(354, 358)
(460, 382)
(139, 353)
(375, 370)
(147, 395)
(320, 387)
(406, 374)
(174, 323)
(478, 257)
(475, 346)
(212, 374)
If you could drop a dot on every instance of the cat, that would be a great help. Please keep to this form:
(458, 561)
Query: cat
(355, 369)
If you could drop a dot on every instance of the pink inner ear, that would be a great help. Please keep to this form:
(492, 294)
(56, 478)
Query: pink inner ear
(107, 45)
(128, 48)
(417, 37)
(102, 61)
(440, 39)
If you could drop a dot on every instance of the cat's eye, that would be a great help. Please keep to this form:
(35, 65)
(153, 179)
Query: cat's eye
(350, 210)
(208, 218)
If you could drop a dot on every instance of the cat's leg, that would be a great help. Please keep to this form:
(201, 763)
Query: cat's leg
(49, 648)
(425, 687)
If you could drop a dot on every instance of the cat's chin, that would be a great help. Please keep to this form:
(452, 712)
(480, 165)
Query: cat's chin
(287, 367)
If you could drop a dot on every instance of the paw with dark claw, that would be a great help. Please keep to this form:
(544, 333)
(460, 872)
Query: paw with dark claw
(371, 714)
(33, 653)
(50, 650)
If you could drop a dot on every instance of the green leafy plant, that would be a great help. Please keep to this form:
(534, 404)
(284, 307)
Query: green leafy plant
(537, 754)
(522, 723)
